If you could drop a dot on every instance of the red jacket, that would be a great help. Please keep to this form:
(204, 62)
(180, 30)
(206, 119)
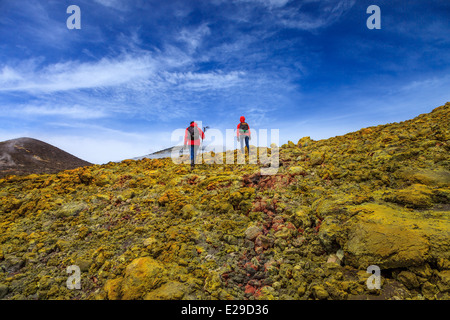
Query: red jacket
(239, 133)
(187, 136)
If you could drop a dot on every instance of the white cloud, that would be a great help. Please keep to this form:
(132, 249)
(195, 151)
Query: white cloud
(287, 13)
(268, 3)
(9, 75)
(73, 112)
(141, 72)
(422, 84)
(139, 84)
(114, 4)
(328, 12)
(193, 38)
(205, 81)
(73, 75)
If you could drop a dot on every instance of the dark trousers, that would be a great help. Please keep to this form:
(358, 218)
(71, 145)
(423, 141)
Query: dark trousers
(194, 150)
(246, 139)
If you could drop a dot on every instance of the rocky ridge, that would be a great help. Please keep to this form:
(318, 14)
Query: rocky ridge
(152, 229)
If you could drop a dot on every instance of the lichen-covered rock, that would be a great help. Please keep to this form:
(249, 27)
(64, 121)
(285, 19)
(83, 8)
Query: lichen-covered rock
(113, 289)
(320, 292)
(390, 238)
(301, 218)
(438, 177)
(141, 276)
(316, 158)
(444, 281)
(416, 196)
(409, 279)
(329, 232)
(252, 232)
(385, 246)
(3, 290)
(297, 170)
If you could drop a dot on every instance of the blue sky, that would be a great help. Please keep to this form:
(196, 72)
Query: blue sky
(137, 70)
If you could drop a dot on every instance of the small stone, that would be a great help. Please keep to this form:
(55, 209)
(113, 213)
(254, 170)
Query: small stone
(319, 292)
(409, 279)
(444, 283)
(276, 285)
(83, 264)
(441, 263)
(62, 244)
(333, 259)
(112, 288)
(301, 219)
(297, 170)
(340, 254)
(263, 241)
(141, 274)
(301, 289)
(14, 264)
(429, 290)
(149, 241)
(316, 158)
(283, 233)
(3, 290)
(252, 232)
(188, 211)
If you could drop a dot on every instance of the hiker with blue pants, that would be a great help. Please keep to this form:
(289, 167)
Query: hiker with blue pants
(244, 134)
(192, 138)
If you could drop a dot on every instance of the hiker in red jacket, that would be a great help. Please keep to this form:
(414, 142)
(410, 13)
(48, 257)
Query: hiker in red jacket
(244, 134)
(192, 137)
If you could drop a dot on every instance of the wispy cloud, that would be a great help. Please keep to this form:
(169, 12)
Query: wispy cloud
(139, 83)
(205, 81)
(193, 37)
(325, 14)
(114, 4)
(307, 15)
(72, 112)
(267, 3)
(73, 75)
